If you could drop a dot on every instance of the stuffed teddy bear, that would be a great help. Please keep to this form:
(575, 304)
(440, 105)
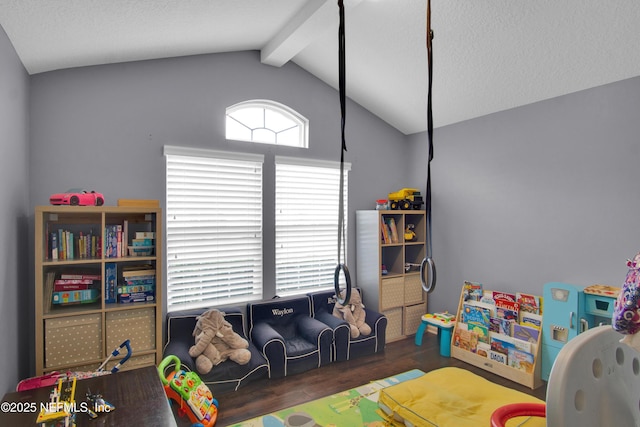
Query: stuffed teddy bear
(216, 342)
(353, 313)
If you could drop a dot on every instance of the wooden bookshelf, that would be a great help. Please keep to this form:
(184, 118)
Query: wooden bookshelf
(80, 336)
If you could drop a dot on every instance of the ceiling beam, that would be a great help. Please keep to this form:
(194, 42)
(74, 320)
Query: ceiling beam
(314, 18)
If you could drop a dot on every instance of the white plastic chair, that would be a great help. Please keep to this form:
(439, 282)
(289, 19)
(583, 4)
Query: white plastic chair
(594, 382)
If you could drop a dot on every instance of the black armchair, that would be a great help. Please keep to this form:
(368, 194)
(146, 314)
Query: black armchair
(289, 338)
(228, 375)
(345, 347)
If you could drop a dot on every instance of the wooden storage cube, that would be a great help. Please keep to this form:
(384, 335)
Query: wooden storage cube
(394, 323)
(73, 340)
(393, 259)
(413, 293)
(136, 325)
(413, 318)
(391, 292)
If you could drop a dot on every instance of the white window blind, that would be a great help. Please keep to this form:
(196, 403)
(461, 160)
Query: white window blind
(214, 227)
(307, 205)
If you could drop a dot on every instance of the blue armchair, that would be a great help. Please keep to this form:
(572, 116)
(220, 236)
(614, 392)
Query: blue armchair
(345, 347)
(228, 375)
(288, 336)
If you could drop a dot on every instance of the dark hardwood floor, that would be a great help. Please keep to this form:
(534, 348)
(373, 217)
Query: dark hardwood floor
(265, 396)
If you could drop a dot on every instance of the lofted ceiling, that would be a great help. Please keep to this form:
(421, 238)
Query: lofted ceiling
(489, 55)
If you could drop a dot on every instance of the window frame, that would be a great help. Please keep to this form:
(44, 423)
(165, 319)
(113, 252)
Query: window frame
(274, 107)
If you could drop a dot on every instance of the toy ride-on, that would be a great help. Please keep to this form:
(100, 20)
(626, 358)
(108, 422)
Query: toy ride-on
(189, 392)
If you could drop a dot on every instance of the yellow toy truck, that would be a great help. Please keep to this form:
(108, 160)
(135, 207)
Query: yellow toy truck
(405, 199)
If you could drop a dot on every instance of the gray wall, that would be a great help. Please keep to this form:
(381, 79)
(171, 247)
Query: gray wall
(545, 192)
(16, 294)
(104, 127)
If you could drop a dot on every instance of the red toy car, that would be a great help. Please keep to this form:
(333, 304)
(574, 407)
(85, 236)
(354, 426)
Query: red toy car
(77, 197)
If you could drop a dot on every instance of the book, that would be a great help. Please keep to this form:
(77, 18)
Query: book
(79, 276)
(130, 289)
(145, 235)
(506, 309)
(48, 291)
(140, 280)
(531, 319)
(72, 284)
(462, 339)
(526, 333)
(110, 241)
(483, 349)
(142, 242)
(110, 282)
(73, 281)
(500, 326)
(528, 303)
(384, 232)
(482, 332)
(521, 360)
(54, 245)
(472, 291)
(475, 315)
(393, 230)
(497, 295)
(136, 297)
(498, 357)
(501, 343)
(76, 297)
(148, 272)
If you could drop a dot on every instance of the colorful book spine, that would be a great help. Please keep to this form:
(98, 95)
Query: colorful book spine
(110, 282)
(131, 289)
(74, 297)
(136, 297)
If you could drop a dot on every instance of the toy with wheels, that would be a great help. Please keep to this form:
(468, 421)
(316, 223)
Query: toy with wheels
(405, 199)
(189, 392)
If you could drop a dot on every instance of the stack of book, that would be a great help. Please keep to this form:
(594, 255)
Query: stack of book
(138, 284)
(75, 289)
(143, 244)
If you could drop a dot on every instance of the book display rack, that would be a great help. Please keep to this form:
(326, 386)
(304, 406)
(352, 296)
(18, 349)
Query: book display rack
(499, 332)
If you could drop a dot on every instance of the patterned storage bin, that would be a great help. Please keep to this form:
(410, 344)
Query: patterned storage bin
(413, 318)
(73, 340)
(135, 325)
(394, 324)
(413, 293)
(391, 292)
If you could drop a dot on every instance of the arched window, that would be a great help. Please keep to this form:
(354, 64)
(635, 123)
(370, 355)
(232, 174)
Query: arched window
(267, 122)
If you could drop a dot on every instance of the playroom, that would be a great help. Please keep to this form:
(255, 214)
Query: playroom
(175, 172)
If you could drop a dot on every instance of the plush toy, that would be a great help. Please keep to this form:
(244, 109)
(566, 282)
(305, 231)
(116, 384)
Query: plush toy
(216, 342)
(353, 313)
(626, 310)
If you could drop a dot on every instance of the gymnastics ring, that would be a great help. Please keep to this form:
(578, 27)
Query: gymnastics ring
(336, 284)
(431, 286)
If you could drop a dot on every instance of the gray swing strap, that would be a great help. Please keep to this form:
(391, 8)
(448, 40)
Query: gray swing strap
(428, 266)
(343, 147)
